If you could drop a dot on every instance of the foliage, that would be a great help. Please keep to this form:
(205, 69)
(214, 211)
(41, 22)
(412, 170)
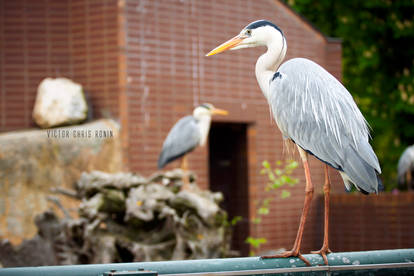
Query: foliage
(378, 63)
(255, 242)
(230, 223)
(278, 178)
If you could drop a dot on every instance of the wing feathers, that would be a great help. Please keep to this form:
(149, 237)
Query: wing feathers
(183, 137)
(316, 111)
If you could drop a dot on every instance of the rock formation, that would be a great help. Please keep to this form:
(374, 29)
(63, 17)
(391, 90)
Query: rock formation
(124, 217)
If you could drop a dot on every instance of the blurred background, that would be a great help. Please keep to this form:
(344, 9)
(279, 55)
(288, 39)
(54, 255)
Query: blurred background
(142, 66)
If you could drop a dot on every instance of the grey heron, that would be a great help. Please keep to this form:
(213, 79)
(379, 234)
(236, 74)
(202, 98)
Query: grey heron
(317, 113)
(406, 168)
(188, 133)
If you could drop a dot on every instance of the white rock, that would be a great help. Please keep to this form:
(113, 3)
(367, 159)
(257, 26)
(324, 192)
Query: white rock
(59, 102)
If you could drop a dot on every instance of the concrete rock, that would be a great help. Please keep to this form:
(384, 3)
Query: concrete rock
(59, 101)
(33, 162)
(91, 182)
(146, 200)
(204, 206)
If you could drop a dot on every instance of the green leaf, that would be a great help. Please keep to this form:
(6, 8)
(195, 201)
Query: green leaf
(255, 242)
(266, 164)
(293, 182)
(266, 201)
(292, 165)
(272, 177)
(263, 211)
(235, 220)
(285, 194)
(285, 179)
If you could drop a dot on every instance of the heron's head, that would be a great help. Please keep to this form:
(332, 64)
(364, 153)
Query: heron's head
(207, 109)
(257, 33)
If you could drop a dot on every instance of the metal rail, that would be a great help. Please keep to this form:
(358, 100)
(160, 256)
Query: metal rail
(339, 264)
(276, 271)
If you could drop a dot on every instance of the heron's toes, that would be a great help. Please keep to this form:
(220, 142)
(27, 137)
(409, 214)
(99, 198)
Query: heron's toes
(285, 254)
(323, 252)
(288, 254)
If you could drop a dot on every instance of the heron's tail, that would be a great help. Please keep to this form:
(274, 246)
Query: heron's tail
(361, 168)
(348, 184)
(167, 156)
(162, 160)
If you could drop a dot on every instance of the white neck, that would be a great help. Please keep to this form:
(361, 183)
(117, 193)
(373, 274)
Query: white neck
(204, 123)
(269, 62)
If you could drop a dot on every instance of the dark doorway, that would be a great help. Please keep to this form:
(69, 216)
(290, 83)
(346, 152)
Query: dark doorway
(228, 174)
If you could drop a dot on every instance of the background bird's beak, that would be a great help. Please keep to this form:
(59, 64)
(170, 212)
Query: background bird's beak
(226, 45)
(217, 111)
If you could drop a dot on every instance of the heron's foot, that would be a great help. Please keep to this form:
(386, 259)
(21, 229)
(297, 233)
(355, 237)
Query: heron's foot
(323, 252)
(287, 254)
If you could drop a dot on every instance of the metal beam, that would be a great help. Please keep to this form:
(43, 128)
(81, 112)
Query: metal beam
(400, 259)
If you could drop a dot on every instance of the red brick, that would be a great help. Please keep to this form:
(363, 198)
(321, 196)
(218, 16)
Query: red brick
(118, 53)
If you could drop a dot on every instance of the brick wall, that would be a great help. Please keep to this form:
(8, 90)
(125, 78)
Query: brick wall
(372, 222)
(167, 75)
(33, 45)
(142, 62)
(93, 44)
(333, 57)
(69, 38)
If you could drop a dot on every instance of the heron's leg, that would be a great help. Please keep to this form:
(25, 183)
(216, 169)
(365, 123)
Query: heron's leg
(295, 252)
(186, 177)
(325, 246)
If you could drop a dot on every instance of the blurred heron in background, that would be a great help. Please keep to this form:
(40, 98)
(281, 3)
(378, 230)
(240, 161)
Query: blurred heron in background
(188, 133)
(406, 168)
(316, 112)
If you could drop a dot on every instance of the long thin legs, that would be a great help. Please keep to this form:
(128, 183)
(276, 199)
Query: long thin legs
(325, 246)
(186, 177)
(295, 252)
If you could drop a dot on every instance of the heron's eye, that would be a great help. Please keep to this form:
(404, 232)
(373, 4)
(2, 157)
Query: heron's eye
(248, 32)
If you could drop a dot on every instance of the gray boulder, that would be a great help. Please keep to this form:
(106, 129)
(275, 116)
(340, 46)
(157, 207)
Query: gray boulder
(59, 101)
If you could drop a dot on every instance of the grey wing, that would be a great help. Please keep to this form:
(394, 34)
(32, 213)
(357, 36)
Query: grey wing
(313, 109)
(405, 163)
(183, 137)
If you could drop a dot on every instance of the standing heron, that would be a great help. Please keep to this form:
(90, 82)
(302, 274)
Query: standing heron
(316, 112)
(188, 133)
(406, 168)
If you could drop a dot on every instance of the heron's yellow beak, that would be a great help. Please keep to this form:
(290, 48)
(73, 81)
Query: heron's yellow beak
(218, 111)
(226, 45)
